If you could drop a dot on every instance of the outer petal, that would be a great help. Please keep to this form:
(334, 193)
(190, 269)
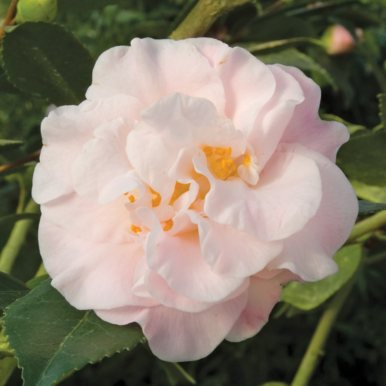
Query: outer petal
(90, 275)
(275, 115)
(178, 259)
(179, 336)
(233, 253)
(306, 128)
(248, 83)
(262, 296)
(287, 195)
(309, 252)
(102, 170)
(101, 224)
(64, 132)
(121, 315)
(145, 70)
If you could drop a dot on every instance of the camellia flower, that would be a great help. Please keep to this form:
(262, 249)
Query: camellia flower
(190, 185)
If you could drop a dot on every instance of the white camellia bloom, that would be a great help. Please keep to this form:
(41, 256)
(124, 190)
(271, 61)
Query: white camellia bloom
(190, 185)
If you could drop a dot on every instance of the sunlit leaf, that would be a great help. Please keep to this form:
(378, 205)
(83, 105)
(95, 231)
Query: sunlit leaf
(312, 294)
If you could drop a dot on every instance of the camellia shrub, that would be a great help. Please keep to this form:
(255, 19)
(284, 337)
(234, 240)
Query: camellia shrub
(177, 175)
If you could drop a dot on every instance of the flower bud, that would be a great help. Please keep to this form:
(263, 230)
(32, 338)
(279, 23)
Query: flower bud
(36, 10)
(338, 40)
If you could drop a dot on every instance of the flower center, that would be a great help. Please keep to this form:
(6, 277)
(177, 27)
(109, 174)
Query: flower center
(156, 198)
(179, 190)
(222, 165)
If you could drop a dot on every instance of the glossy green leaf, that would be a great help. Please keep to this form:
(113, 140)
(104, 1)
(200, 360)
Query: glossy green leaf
(10, 290)
(363, 159)
(49, 62)
(369, 192)
(31, 284)
(292, 57)
(6, 85)
(12, 218)
(313, 294)
(366, 207)
(51, 338)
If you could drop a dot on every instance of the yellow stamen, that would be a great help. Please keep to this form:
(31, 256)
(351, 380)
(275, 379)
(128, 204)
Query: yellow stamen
(135, 229)
(223, 167)
(208, 151)
(228, 151)
(247, 159)
(179, 190)
(156, 200)
(168, 225)
(219, 151)
(125, 194)
(132, 198)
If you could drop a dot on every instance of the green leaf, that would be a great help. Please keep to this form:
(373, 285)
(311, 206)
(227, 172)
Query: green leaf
(278, 45)
(7, 365)
(274, 384)
(363, 159)
(176, 374)
(12, 218)
(366, 207)
(369, 192)
(36, 281)
(313, 294)
(5, 85)
(292, 57)
(47, 61)
(51, 338)
(10, 290)
(382, 109)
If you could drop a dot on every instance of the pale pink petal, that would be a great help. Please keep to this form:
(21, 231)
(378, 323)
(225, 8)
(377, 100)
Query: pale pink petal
(287, 195)
(248, 83)
(275, 115)
(306, 128)
(262, 296)
(178, 259)
(233, 253)
(87, 274)
(107, 223)
(309, 252)
(146, 72)
(121, 315)
(64, 132)
(178, 336)
(102, 171)
(170, 124)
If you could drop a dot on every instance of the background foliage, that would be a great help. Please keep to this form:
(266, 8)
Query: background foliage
(284, 31)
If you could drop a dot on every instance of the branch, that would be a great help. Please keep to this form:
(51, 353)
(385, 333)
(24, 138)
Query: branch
(202, 16)
(9, 20)
(316, 347)
(21, 161)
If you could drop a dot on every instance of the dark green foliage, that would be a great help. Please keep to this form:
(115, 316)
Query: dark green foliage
(10, 290)
(51, 338)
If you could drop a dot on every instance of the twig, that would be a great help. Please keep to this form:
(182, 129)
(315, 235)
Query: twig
(9, 19)
(202, 16)
(21, 161)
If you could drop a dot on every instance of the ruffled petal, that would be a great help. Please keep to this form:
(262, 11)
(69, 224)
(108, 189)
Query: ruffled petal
(102, 171)
(178, 259)
(64, 132)
(248, 83)
(178, 336)
(90, 275)
(121, 315)
(309, 252)
(306, 128)
(172, 123)
(262, 296)
(287, 195)
(146, 72)
(233, 253)
(275, 115)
